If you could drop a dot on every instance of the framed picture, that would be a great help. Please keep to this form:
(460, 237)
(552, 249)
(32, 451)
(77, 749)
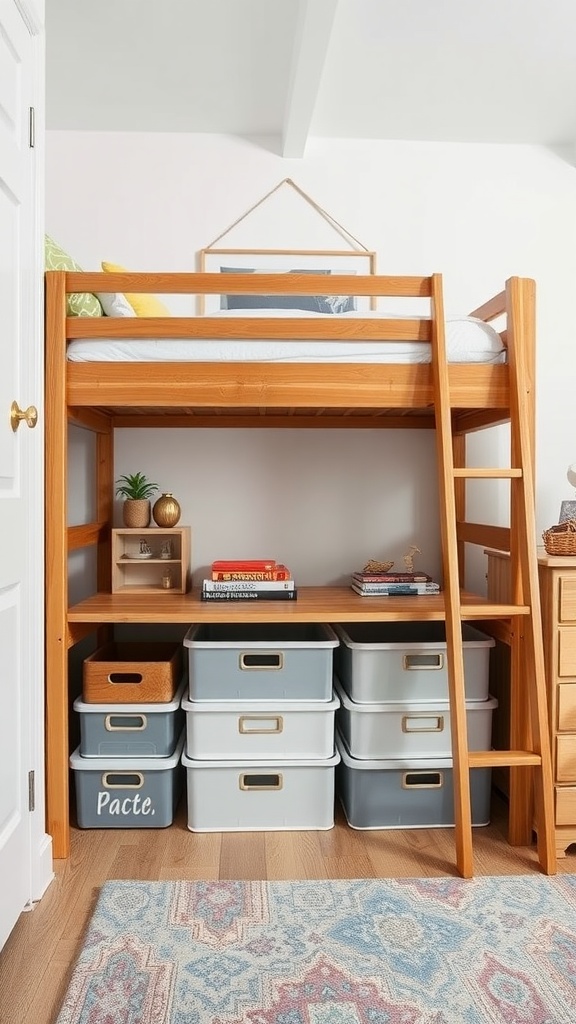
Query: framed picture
(286, 261)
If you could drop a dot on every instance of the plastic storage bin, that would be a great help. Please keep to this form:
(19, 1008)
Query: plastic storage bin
(130, 730)
(269, 796)
(260, 661)
(406, 793)
(132, 673)
(262, 729)
(415, 729)
(119, 793)
(400, 661)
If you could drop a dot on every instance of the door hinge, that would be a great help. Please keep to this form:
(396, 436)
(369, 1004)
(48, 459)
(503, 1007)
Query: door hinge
(31, 791)
(31, 127)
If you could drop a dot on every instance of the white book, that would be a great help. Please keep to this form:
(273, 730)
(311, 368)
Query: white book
(229, 586)
(389, 589)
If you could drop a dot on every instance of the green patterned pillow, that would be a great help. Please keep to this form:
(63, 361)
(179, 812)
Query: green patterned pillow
(79, 303)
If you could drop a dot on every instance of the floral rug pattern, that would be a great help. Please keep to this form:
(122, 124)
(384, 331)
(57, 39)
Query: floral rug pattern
(393, 951)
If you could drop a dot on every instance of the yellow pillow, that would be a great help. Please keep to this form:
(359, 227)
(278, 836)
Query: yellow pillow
(143, 305)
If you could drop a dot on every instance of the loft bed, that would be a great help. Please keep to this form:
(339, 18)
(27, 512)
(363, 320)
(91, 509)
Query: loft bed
(271, 370)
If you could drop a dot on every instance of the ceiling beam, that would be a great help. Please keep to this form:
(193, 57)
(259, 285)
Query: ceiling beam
(311, 39)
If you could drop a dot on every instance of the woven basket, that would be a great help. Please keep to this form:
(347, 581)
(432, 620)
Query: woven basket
(561, 539)
(136, 513)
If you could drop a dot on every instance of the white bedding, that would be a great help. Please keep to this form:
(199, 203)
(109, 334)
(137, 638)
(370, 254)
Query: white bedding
(467, 341)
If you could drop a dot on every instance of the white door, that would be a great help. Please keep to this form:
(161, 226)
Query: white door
(21, 568)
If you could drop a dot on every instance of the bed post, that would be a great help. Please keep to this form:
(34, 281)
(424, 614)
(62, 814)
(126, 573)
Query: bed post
(56, 430)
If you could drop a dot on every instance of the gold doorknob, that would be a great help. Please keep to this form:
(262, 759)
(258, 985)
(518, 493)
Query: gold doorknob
(29, 415)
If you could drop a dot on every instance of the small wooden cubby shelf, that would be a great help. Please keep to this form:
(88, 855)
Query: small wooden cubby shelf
(134, 575)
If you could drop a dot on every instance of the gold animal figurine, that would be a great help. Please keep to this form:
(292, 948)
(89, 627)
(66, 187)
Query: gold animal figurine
(409, 558)
(375, 566)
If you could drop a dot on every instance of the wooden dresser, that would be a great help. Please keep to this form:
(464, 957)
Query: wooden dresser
(558, 599)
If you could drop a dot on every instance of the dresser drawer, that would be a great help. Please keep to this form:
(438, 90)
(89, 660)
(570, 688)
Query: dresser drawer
(567, 590)
(567, 707)
(566, 758)
(566, 805)
(567, 652)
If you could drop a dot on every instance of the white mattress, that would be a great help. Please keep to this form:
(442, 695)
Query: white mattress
(467, 341)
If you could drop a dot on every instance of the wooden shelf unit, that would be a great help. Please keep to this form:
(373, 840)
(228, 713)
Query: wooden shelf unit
(132, 575)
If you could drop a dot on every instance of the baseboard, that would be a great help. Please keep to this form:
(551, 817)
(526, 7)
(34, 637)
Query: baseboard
(42, 869)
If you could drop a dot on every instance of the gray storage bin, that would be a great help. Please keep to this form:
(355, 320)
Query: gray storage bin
(402, 661)
(405, 793)
(260, 661)
(414, 729)
(130, 730)
(120, 793)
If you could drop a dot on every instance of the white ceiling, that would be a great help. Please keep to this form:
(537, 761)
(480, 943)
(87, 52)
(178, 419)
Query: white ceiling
(445, 70)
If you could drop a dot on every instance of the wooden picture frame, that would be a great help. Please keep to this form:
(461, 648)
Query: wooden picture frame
(270, 261)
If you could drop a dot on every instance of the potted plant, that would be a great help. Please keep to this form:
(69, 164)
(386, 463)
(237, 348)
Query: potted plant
(137, 490)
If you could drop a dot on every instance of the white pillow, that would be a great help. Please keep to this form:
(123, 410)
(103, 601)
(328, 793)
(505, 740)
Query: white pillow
(115, 304)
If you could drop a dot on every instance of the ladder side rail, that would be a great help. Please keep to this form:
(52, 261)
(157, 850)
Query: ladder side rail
(450, 551)
(521, 320)
(521, 779)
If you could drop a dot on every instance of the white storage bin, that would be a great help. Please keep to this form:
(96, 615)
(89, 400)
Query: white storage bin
(130, 730)
(117, 792)
(415, 729)
(406, 793)
(220, 730)
(401, 661)
(272, 796)
(260, 661)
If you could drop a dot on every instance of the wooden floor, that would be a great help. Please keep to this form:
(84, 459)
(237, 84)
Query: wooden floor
(37, 960)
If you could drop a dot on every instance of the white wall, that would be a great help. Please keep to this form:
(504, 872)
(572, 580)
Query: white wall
(325, 502)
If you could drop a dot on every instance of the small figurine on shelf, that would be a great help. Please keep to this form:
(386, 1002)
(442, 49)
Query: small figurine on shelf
(167, 580)
(166, 551)
(409, 558)
(145, 549)
(374, 566)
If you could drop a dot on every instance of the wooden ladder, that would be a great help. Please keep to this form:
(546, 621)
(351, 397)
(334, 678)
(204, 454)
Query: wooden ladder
(525, 596)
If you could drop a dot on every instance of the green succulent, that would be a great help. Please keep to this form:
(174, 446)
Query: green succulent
(135, 486)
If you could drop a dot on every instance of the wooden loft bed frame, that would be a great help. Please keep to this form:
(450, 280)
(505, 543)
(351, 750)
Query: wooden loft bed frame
(454, 399)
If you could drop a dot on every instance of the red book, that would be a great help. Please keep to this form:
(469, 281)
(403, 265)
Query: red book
(244, 565)
(279, 572)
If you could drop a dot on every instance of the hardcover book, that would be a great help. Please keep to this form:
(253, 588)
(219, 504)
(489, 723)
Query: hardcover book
(222, 586)
(392, 577)
(243, 564)
(248, 595)
(280, 572)
(428, 584)
(395, 589)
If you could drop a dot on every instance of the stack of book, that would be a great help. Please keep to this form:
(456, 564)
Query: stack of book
(249, 580)
(385, 584)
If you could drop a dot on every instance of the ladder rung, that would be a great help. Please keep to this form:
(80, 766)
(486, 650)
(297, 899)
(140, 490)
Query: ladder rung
(502, 758)
(489, 610)
(487, 474)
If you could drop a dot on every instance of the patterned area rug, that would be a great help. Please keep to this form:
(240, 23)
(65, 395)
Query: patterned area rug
(402, 951)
